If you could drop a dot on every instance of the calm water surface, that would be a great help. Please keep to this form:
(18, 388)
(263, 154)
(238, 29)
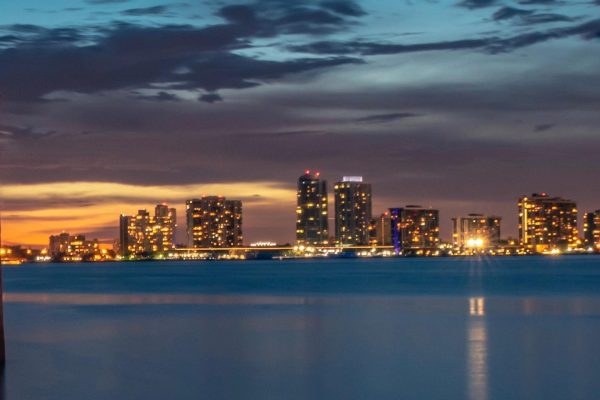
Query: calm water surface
(489, 328)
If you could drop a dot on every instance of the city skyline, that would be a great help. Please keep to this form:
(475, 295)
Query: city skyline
(180, 225)
(111, 106)
(215, 221)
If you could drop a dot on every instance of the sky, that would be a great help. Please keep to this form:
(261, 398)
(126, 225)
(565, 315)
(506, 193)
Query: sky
(109, 106)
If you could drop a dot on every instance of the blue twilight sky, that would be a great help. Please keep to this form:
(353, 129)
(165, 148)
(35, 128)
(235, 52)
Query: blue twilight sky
(107, 106)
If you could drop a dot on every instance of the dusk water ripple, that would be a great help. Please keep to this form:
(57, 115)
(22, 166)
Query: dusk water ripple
(400, 328)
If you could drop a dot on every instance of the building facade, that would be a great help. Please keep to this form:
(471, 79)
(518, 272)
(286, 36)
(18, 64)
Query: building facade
(68, 247)
(165, 220)
(547, 223)
(352, 211)
(144, 233)
(383, 230)
(591, 230)
(476, 231)
(312, 225)
(213, 221)
(415, 228)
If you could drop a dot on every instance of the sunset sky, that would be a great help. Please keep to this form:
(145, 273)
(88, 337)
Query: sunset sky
(107, 106)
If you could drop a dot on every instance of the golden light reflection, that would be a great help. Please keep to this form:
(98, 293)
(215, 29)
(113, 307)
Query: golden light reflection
(477, 306)
(477, 350)
(80, 207)
(150, 299)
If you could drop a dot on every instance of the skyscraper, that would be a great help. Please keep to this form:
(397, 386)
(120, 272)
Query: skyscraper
(312, 226)
(476, 231)
(415, 228)
(547, 223)
(126, 237)
(213, 221)
(165, 219)
(352, 211)
(383, 230)
(591, 230)
(143, 233)
(140, 230)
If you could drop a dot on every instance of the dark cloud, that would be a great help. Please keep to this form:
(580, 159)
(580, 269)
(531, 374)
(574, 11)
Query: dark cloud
(19, 132)
(545, 18)
(25, 28)
(543, 127)
(272, 18)
(535, 2)
(528, 17)
(160, 97)
(34, 35)
(22, 218)
(127, 56)
(373, 48)
(283, 134)
(587, 30)
(232, 71)
(344, 7)
(382, 118)
(477, 3)
(155, 10)
(510, 12)
(9, 39)
(28, 204)
(210, 98)
(131, 56)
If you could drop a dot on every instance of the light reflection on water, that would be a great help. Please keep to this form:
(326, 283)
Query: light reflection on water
(327, 343)
(477, 352)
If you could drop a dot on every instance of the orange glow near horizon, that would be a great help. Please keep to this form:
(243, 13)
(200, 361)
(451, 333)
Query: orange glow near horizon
(102, 202)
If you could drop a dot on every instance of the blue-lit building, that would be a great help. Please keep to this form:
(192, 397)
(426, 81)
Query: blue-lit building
(414, 228)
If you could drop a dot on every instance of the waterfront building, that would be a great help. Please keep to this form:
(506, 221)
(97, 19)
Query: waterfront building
(415, 229)
(476, 232)
(547, 223)
(126, 235)
(143, 233)
(312, 225)
(591, 230)
(383, 230)
(213, 221)
(66, 247)
(352, 211)
(165, 219)
(59, 244)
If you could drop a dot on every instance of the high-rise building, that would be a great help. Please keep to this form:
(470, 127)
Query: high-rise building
(383, 230)
(126, 235)
(143, 233)
(476, 231)
(591, 230)
(73, 247)
(547, 223)
(415, 228)
(213, 221)
(59, 244)
(312, 226)
(165, 219)
(352, 211)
